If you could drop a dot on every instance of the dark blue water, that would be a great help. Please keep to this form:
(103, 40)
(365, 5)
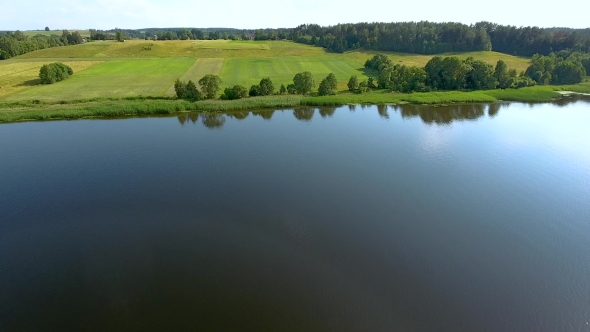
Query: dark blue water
(460, 218)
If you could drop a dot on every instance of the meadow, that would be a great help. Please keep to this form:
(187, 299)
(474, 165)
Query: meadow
(143, 67)
(20, 76)
(116, 78)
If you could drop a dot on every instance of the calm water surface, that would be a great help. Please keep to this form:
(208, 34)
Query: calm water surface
(463, 218)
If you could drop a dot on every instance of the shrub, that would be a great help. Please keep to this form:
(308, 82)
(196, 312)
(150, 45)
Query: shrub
(187, 91)
(254, 91)
(235, 92)
(54, 72)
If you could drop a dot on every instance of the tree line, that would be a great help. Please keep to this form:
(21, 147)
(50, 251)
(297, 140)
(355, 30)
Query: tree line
(431, 38)
(210, 85)
(193, 34)
(17, 43)
(444, 74)
(563, 67)
(409, 37)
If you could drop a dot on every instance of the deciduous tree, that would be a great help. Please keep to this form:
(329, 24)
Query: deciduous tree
(353, 83)
(266, 87)
(210, 85)
(304, 82)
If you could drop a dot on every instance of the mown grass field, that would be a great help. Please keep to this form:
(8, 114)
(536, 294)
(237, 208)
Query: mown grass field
(249, 71)
(140, 67)
(116, 78)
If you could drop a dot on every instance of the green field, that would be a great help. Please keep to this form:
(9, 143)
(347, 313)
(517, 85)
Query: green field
(281, 70)
(141, 67)
(116, 78)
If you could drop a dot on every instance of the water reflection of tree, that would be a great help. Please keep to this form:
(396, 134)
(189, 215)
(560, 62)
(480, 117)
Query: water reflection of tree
(444, 114)
(213, 121)
(327, 111)
(493, 109)
(239, 115)
(382, 109)
(352, 108)
(266, 115)
(188, 117)
(304, 113)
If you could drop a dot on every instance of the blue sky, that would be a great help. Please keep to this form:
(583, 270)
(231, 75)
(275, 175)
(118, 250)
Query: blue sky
(134, 14)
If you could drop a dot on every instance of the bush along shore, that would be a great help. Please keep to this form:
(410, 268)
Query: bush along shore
(134, 106)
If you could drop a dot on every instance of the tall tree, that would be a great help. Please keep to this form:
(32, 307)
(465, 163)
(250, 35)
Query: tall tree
(119, 36)
(304, 82)
(353, 83)
(179, 88)
(210, 85)
(267, 88)
(328, 85)
(192, 93)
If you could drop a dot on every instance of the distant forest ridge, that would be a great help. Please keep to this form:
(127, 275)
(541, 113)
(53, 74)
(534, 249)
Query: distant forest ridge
(409, 37)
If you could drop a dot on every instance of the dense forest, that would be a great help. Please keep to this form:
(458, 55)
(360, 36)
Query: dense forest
(409, 37)
(432, 38)
(16, 43)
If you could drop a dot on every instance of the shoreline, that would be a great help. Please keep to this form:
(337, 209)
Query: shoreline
(111, 107)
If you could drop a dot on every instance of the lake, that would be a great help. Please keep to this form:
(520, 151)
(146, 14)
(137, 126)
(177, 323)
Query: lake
(357, 218)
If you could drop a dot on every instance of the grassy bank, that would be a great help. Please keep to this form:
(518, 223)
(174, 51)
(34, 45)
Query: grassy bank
(100, 107)
(114, 107)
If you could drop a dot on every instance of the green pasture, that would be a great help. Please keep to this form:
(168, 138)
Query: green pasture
(250, 71)
(227, 49)
(116, 78)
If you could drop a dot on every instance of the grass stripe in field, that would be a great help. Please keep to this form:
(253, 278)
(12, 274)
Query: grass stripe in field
(200, 68)
(249, 71)
(117, 78)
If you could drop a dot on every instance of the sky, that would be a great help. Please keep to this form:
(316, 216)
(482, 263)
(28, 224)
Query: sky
(240, 14)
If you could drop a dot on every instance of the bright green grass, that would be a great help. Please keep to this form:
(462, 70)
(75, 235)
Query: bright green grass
(531, 94)
(581, 88)
(27, 111)
(379, 97)
(117, 78)
(250, 71)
